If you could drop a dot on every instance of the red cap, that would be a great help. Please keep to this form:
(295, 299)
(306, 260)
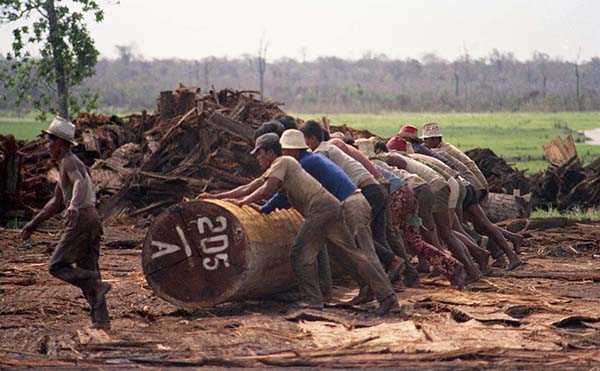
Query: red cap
(408, 131)
(397, 144)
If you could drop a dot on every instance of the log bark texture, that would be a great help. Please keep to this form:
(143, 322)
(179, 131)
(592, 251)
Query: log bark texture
(503, 207)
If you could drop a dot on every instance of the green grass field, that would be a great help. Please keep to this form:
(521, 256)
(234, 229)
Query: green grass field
(516, 137)
(26, 128)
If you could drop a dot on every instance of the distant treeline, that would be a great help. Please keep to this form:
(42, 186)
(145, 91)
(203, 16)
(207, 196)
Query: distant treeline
(498, 82)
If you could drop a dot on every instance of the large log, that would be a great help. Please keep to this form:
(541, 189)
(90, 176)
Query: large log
(503, 207)
(202, 253)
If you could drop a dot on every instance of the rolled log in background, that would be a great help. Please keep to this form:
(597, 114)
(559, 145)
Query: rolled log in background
(202, 253)
(503, 207)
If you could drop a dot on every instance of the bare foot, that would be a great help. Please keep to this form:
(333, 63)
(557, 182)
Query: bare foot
(458, 277)
(364, 296)
(387, 305)
(517, 241)
(399, 286)
(482, 257)
(473, 274)
(514, 264)
(500, 262)
(396, 266)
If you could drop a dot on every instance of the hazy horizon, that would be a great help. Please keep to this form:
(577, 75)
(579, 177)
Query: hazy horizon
(347, 29)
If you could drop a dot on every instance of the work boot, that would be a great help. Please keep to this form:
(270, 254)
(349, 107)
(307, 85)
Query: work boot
(388, 304)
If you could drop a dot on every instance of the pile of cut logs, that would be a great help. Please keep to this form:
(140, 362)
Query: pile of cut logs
(565, 184)
(144, 162)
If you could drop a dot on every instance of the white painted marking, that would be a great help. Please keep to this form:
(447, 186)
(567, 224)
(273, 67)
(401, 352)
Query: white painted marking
(163, 249)
(186, 245)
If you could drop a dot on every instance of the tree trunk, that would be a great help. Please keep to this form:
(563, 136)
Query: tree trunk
(261, 70)
(202, 253)
(166, 104)
(57, 44)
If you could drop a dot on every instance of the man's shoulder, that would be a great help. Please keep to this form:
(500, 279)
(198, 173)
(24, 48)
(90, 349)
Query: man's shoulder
(70, 162)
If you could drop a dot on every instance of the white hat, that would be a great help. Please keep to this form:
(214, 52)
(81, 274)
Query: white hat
(366, 146)
(431, 130)
(63, 129)
(292, 139)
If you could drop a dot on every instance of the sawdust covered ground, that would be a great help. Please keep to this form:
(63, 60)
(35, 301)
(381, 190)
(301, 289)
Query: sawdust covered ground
(544, 315)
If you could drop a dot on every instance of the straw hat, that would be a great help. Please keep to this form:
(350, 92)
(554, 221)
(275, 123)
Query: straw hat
(366, 146)
(431, 130)
(292, 139)
(63, 129)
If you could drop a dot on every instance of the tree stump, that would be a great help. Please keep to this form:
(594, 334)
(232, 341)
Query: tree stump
(166, 104)
(202, 253)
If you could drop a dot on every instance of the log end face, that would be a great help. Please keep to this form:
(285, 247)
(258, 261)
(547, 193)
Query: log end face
(194, 254)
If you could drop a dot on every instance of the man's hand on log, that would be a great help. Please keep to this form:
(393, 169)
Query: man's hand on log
(206, 195)
(236, 201)
(255, 207)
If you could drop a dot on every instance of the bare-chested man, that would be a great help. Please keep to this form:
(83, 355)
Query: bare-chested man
(75, 259)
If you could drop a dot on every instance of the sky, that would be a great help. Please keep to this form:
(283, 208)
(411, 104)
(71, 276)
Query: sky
(307, 29)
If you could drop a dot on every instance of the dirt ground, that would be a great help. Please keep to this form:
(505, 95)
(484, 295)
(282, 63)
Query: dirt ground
(545, 314)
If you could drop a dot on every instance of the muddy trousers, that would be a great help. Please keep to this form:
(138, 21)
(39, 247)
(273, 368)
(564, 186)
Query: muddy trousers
(356, 214)
(404, 204)
(324, 224)
(75, 260)
(376, 195)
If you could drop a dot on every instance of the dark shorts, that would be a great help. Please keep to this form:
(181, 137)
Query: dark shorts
(426, 199)
(471, 197)
(80, 242)
(481, 195)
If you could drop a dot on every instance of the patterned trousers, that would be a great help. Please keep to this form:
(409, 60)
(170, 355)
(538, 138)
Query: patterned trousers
(403, 206)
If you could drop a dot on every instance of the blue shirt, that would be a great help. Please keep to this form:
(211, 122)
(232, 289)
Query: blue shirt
(395, 182)
(331, 176)
(424, 150)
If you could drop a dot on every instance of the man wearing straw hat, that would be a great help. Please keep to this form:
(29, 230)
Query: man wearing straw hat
(75, 259)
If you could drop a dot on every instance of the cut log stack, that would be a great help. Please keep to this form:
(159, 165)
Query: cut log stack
(566, 183)
(501, 177)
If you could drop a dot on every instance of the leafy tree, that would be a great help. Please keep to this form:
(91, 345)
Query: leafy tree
(65, 56)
